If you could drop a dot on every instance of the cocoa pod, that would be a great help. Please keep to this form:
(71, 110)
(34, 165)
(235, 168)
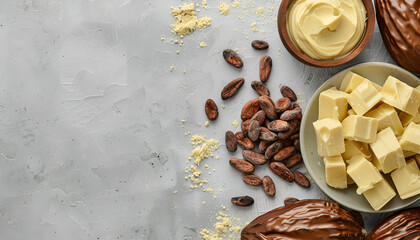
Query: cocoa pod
(260, 117)
(252, 180)
(254, 157)
(282, 171)
(244, 141)
(293, 160)
(284, 153)
(278, 126)
(290, 200)
(250, 108)
(267, 135)
(287, 92)
(266, 64)
(254, 131)
(259, 44)
(260, 88)
(264, 145)
(282, 104)
(245, 126)
(242, 165)
(242, 201)
(211, 109)
(232, 88)
(268, 107)
(301, 179)
(289, 115)
(296, 143)
(268, 186)
(231, 142)
(272, 150)
(232, 58)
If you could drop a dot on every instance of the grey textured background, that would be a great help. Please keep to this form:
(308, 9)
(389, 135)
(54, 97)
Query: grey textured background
(89, 112)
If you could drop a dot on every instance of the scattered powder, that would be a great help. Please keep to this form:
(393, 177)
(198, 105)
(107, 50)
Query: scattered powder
(171, 68)
(177, 52)
(203, 44)
(254, 27)
(224, 8)
(204, 203)
(185, 71)
(235, 30)
(183, 120)
(235, 123)
(300, 101)
(226, 226)
(175, 192)
(185, 20)
(204, 3)
(223, 106)
(236, 4)
(207, 123)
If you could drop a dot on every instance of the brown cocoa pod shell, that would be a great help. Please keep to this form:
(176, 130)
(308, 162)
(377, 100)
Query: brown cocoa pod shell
(290, 200)
(254, 157)
(284, 153)
(242, 201)
(289, 115)
(260, 88)
(288, 92)
(293, 160)
(268, 186)
(259, 45)
(268, 107)
(272, 150)
(312, 219)
(231, 142)
(260, 117)
(264, 145)
(266, 63)
(244, 141)
(282, 171)
(252, 180)
(254, 130)
(211, 109)
(278, 126)
(282, 104)
(232, 88)
(267, 135)
(301, 179)
(296, 144)
(242, 165)
(232, 58)
(250, 108)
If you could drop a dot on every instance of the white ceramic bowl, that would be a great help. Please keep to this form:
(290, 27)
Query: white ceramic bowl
(376, 72)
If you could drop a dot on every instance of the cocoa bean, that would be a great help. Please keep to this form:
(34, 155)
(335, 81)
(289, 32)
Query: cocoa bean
(260, 88)
(259, 44)
(264, 145)
(272, 150)
(242, 165)
(211, 109)
(282, 104)
(266, 64)
(242, 201)
(244, 141)
(293, 160)
(232, 88)
(260, 117)
(267, 135)
(286, 142)
(282, 171)
(254, 157)
(232, 58)
(284, 153)
(287, 92)
(290, 200)
(278, 126)
(250, 108)
(294, 136)
(289, 115)
(252, 180)
(285, 135)
(296, 143)
(301, 179)
(245, 126)
(231, 142)
(268, 107)
(268, 186)
(254, 130)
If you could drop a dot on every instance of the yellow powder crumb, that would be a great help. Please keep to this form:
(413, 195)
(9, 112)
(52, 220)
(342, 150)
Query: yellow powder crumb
(300, 101)
(199, 124)
(185, 20)
(235, 123)
(171, 68)
(223, 207)
(203, 44)
(175, 192)
(209, 190)
(176, 41)
(186, 177)
(162, 38)
(209, 173)
(254, 27)
(177, 52)
(217, 157)
(235, 30)
(204, 203)
(236, 4)
(172, 148)
(204, 3)
(259, 10)
(184, 71)
(206, 166)
(183, 120)
(214, 196)
(207, 123)
(223, 106)
(223, 228)
(224, 8)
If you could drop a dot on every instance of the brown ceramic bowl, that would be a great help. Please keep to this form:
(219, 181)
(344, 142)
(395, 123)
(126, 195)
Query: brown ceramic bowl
(281, 24)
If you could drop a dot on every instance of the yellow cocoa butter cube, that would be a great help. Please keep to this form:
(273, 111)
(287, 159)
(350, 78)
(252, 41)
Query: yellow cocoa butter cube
(408, 154)
(417, 157)
(349, 180)
(401, 96)
(330, 139)
(331, 102)
(388, 151)
(376, 163)
(407, 179)
(410, 140)
(380, 194)
(387, 117)
(360, 128)
(354, 148)
(408, 118)
(364, 97)
(335, 172)
(351, 112)
(364, 174)
(352, 80)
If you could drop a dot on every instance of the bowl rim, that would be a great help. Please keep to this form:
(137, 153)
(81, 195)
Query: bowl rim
(303, 128)
(292, 49)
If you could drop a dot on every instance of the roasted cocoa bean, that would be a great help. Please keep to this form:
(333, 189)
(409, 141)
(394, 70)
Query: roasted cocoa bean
(266, 122)
(272, 150)
(250, 108)
(289, 115)
(284, 153)
(260, 88)
(268, 186)
(242, 165)
(260, 117)
(295, 105)
(267, 135)
(285, 135)
(268, 107)
(287, 92)
(252, 180)
(254, 130)
(293, 160)
(232, 58)
(278, 126)
(211, 109)
(231, 142)
(301, 179)
(259, 44)
(286, 142)
(244, 141)
(245, 126)
(266, 64)
(232, 88)
(282, 104)
(296, 143)
(254, 157)
(294, 136)
(242, 201)
(264, 145)
(282, 171)
(290, 200)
